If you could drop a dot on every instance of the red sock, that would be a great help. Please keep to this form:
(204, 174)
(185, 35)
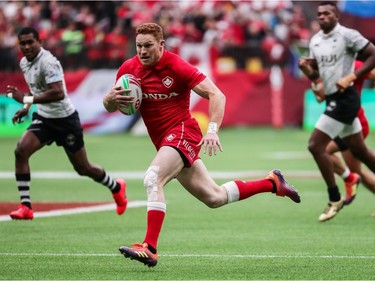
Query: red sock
(155, 220)
(250, 188)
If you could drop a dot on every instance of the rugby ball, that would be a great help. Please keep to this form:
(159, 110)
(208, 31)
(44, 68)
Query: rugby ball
(129, 81)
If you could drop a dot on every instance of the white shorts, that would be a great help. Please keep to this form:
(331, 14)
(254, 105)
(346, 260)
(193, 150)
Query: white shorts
(334, 128)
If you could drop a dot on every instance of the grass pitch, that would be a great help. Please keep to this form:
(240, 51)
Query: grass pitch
(262, 238)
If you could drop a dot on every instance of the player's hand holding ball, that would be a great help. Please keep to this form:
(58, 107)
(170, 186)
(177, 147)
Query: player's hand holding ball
(125, 96)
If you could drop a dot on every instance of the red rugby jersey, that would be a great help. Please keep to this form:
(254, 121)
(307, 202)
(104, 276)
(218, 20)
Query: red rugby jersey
(166, 90)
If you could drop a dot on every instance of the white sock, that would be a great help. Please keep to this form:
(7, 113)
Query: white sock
(232, 191)
(346, 173)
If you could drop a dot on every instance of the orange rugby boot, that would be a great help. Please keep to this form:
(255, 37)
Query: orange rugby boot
(141, 253)
(23, 213)
(283, 188)
(351, 188)
(120, 197)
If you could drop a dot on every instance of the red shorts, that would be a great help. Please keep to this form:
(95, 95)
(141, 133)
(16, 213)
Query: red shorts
(185, 138)
(363, 119)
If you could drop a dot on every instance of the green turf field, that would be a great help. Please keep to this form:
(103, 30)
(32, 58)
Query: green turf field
(262, 238)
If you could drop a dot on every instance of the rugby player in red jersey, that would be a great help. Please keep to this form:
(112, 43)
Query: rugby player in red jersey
(166, 81)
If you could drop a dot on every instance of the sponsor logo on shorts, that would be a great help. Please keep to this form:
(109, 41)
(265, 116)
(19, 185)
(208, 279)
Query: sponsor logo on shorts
(170, 137)
(331, 106)
(189, 148)
(37, 121)
(70, 139)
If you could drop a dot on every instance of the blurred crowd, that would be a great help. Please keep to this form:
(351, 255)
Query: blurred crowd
(99, 34)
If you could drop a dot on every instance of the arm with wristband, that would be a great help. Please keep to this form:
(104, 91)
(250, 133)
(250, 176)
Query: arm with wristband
(25, 98)
(54, 92)
(208, 90)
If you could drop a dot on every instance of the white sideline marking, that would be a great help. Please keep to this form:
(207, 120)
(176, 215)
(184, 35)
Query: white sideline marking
(138, 175)
(196, 255)
(79, 210)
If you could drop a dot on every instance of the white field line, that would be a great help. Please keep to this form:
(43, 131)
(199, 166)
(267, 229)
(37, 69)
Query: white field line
(79, 210)
(138, 175)
(225, 256)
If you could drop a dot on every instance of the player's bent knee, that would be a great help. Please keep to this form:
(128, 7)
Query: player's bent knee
(311, 147)
(314, 148)
(21, 153)
(150, 183)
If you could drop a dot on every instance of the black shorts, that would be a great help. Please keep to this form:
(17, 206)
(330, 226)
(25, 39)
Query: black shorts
(66, 132)
(340, 144)
(343, 106)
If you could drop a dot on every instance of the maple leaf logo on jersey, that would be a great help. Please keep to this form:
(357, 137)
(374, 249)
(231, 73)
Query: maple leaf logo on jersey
(167, 82)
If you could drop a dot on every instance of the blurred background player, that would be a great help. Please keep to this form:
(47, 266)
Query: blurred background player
(353, 173)
(167, 81)
(56, 121)
(333, 51)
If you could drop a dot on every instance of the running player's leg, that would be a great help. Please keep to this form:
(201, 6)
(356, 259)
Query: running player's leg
(360, 150)
(349, 172)
(325, 130)
(317, 146)
(166, 165)
(198, 182)
(355, 165)
(69, 134)
(334, 146)
(84, 167)
(26, 146)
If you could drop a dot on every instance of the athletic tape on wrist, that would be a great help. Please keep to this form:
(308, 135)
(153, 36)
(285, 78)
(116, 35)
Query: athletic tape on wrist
(212, 127)
(28, 99)
(315, 86)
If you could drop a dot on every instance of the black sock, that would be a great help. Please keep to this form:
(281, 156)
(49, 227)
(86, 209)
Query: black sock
(23, 184)
(109, 182)
(334, 194)
(274, 189)
(152, 249)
